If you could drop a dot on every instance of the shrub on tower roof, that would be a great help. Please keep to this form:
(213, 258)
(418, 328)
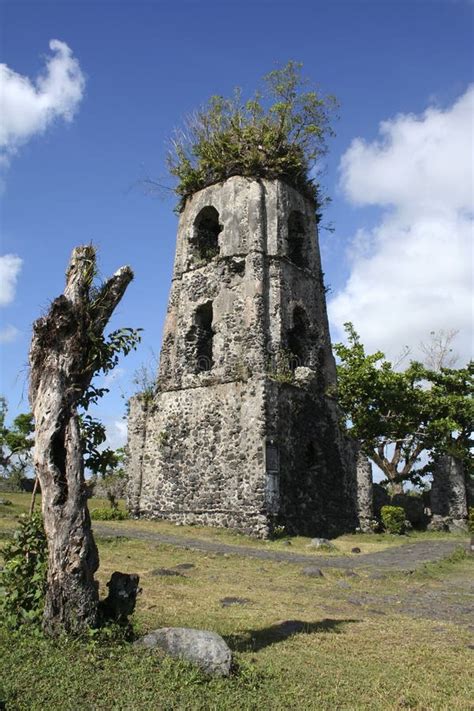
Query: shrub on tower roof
(280, 133)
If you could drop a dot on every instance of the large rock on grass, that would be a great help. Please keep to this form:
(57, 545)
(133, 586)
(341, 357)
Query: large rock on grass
(323, 544)
(205, 649)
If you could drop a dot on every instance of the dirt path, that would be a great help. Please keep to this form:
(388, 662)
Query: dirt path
(406, 557)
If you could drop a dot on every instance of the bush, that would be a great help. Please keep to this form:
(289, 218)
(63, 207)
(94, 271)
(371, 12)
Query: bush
(393, 519)
(108, 515)
(470, 520)
(23, 578)
(280, 133)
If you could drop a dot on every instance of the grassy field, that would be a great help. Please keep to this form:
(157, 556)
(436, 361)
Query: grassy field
(362, 641)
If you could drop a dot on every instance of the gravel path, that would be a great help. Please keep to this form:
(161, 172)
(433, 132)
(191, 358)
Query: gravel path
(405, 557)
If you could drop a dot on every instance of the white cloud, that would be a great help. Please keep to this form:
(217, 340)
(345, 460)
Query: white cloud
(412, 273)
(10, 265)
(112, 376)
(116, 434)
(28, 108)
(8, 334)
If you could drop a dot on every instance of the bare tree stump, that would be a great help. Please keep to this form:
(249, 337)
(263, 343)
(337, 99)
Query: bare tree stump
(63, 360)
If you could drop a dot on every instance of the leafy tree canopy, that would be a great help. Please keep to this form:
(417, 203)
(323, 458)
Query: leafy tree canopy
(16, 443)
(396, 415)
(279, 133)
(452, 413)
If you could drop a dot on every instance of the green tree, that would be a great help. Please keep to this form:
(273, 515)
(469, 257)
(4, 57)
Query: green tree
(397, 415)
(16, 443)
(385, 410)
(112, 480)
(279, 133)
(451, 424)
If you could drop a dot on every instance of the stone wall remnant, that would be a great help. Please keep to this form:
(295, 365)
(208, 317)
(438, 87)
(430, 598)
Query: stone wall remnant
(365, 494)
(449, 495)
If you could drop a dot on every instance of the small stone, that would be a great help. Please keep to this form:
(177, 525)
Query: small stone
(5, 502)
(228, 601)
(304, 375)
(166, 572)
(286, 543)
(205, 649)
(355, 550)
(322, 543)
(312, 572)
(459, 526)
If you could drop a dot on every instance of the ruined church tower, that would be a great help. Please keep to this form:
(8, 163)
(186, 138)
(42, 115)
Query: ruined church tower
(243, 428)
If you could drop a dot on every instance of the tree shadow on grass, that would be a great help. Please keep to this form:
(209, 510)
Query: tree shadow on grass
(255, 640)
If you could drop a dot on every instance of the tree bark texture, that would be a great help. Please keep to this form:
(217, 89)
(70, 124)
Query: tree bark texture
(63, 360)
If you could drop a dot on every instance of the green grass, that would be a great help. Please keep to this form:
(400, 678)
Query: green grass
(368, 543)
(353, 664)
(361, 643)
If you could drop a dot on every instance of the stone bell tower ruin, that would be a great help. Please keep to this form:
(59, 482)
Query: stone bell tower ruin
(243, 428)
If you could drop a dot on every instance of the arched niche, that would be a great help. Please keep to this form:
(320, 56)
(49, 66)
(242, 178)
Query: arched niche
(297, 239)
(205, 238)
(298, 338)
(200, 339)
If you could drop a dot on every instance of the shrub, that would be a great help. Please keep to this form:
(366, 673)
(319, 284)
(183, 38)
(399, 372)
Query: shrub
(23, 578)
(280, 133)
(278, 533)
(108, 515)
(470, 520)
(393, 519)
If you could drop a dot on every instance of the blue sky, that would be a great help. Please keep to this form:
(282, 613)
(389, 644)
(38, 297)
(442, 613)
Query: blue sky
(399, 261)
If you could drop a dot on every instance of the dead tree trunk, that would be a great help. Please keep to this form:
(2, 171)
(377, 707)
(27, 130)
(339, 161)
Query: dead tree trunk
(63, 359)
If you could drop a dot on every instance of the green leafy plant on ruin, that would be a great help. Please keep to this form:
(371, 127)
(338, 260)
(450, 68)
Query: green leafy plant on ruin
(279, 368)
(279, 133)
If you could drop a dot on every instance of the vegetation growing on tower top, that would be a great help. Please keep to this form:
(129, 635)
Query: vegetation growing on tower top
(280, 133)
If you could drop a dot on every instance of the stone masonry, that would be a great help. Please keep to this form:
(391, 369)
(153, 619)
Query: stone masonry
(243, 428)
(365, 493)
(449, 495)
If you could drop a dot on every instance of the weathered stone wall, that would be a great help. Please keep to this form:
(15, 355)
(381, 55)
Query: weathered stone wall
(243, 429)
(316, 487)
(365, 493)
(448, 495)
(203, 457)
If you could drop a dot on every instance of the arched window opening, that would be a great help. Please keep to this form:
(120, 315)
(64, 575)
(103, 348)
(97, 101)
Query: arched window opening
(200, 338)
(297, 339)
(297, 239)
(205, 239)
